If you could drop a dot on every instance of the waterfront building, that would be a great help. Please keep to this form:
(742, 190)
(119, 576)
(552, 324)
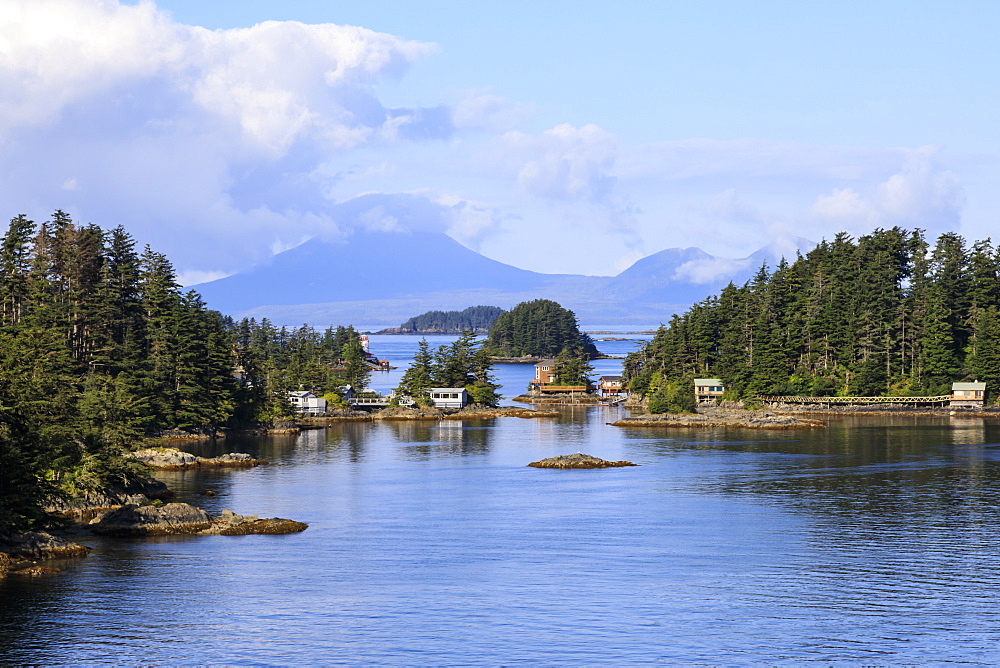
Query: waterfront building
(307, 403)
(708, 389)
(968, 395)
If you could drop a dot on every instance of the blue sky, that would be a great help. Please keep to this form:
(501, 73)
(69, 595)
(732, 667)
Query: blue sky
(607, 131)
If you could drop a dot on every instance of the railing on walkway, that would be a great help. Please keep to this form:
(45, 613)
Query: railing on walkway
(378, 400)
(913, 401)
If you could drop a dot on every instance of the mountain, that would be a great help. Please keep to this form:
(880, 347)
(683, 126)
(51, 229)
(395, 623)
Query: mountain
(383, 278)
(373, 265)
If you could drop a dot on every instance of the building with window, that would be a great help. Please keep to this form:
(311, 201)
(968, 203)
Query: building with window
(610, 385)
(307, 403)
(449, 397)
(968, 395)
(708, 389)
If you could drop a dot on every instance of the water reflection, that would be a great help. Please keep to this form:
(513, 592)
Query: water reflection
(432, 542)
(898, 471)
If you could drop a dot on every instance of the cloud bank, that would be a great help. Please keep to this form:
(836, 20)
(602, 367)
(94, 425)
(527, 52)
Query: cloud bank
(221, 147)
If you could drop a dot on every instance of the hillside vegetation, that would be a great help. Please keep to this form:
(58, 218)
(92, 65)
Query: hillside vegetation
(886, 314)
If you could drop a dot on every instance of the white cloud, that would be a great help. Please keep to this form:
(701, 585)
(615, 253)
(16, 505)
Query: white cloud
(483, 110)
(277, 82)
(710, 270)
(921, 194)
(219, 147)
(566, 163)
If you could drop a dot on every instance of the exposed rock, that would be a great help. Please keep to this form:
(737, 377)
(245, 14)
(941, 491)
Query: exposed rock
(166, 458)
(20, 552)
(35, 571)
(185, 519)
(172, 459)
(408, 413)
(577, 461)
(476, 412)
(471, 412)
(273, 526)
(721, 417)
(84, 505)
(40, 545)
(131, 520)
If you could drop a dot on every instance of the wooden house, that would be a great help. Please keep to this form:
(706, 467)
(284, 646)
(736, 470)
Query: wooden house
(708, 389)
(544, 373)
(610, 385)
(968, 395)
(545, 379)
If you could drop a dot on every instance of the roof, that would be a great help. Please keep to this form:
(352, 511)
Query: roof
(610, 378)
(545, 363)
(707, 381)
(446, 389)
(968, 386)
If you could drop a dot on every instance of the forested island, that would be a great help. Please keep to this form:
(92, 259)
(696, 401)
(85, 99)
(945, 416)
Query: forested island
(477, 319)
(539, 328)
(885, 314)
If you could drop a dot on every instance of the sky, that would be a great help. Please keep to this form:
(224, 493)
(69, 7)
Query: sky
(559, 136)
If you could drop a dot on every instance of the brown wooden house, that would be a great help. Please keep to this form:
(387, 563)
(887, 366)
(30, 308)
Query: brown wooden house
(708, 389)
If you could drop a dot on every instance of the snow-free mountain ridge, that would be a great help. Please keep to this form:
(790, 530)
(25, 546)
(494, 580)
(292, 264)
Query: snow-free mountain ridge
(383, 278)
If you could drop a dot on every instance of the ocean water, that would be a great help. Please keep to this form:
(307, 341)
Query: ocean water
(874, 541)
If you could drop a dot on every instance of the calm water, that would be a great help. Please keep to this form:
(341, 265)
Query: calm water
(871, 542)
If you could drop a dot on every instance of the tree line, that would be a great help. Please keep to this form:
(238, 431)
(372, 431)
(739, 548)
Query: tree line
(100, 347)
(884, 314)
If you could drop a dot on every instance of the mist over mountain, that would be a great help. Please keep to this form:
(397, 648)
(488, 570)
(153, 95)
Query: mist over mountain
(383, 278)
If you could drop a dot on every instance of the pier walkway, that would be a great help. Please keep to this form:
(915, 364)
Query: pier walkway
(939, 400)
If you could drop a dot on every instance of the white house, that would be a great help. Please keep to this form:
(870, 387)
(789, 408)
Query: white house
(449, 397)
(307, 403)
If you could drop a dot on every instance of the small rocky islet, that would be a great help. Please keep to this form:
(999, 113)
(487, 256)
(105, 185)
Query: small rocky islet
(578, 461)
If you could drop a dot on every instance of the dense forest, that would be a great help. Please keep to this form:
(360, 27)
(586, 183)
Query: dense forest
(100, 347)
(539, 328)
(885, 314)
(476, 319)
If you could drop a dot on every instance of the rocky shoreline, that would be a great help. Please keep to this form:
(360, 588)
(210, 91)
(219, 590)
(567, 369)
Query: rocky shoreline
(707, 418)
(135, 510)
(172, 459)
(571, 399)
(473, 412)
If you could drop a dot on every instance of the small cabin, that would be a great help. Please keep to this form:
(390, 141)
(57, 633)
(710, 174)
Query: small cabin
(544, 373)
(968, 395)
(449, 397)
(307, 403)
(708, 389)
(610, 385)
